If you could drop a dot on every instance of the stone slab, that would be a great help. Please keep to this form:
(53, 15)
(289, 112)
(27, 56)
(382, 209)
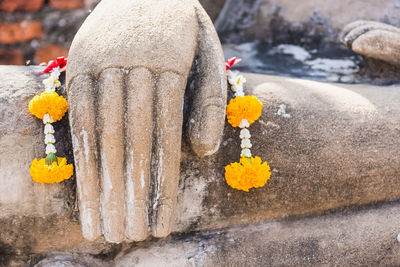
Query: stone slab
(22, 140)
(365, 237)
(330, 146)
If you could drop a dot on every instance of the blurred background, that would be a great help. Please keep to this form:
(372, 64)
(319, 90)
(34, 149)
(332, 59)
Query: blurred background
(285, 37)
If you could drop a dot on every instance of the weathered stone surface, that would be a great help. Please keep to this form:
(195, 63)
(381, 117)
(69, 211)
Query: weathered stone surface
(362, 238)
(328, 145)
(22, 140)
(331, 146)
(309, 22)
(373, 39)
(126, 82)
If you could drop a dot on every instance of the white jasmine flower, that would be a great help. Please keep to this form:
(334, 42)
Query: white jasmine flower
(56, 72)
(49, 139)
(232, 76)
(239, 93)
(246, 152)
(245, 143)
(244, 124)
(244, 134)
(50, 148)
(47, 119)
(51, 83)
(48, 129)
(236, 80)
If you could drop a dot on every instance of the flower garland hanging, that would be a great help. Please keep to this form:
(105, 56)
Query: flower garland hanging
(242, 111)
(50, 107)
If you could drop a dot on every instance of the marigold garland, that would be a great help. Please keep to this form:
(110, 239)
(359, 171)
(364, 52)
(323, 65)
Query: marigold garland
(248, 173)
(50, 107)
(56, 172)
(242, 111)
(48, 103)
(247, 107)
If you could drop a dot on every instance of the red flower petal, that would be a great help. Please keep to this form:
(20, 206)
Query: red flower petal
(232, 61)
(59, 62)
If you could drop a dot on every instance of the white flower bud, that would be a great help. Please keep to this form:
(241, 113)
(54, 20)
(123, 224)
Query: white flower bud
(55, 73)
(49, 84)
(57, 83)
(48, 129)
(244, 124)
(50, 148)
(244, 134)
(246, 152)
(47, 119)
(239, 93)
(49, 139)
(245, 143)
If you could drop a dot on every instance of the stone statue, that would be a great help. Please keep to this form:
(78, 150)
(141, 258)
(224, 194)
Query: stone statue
(127, 72)
(373, 39)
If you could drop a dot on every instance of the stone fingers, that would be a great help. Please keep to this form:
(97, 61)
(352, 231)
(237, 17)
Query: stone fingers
(111, 142)
(82, 120)
(139, 134)
(207, 117)
(373, 39)
(381, 45)
(167, 150)
(134, 121)
(356, 29)
(348, 28)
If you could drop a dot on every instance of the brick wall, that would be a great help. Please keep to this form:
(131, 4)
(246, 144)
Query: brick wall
(35, 31)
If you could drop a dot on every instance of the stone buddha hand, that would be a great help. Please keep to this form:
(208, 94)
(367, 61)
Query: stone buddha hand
(373, 39)
(127, 72)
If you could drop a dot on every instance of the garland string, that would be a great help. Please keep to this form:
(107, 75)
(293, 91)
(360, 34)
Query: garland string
(50, 107)
(242, 111)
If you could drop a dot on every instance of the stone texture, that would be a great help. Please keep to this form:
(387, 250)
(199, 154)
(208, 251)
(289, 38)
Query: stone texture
(373, 39)
(126, 83)
(20, 32)
(22, 140)
(365, 237)
(335, 146)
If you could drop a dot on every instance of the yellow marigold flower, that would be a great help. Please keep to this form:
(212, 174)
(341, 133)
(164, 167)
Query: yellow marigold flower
(248, 173)
(247, 107)
(48, 102)
(55, 173)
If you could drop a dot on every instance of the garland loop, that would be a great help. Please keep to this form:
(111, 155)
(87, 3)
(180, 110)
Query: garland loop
(242, 111)
(50, 107)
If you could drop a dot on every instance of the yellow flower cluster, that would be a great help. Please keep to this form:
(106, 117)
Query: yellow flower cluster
(54, 173)
(248, 173)
(48, 102)
(247, 107)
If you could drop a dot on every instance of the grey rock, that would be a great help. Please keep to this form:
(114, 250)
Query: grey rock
(365, 237)
(22, 140)
(71, 260)
(334, 146)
